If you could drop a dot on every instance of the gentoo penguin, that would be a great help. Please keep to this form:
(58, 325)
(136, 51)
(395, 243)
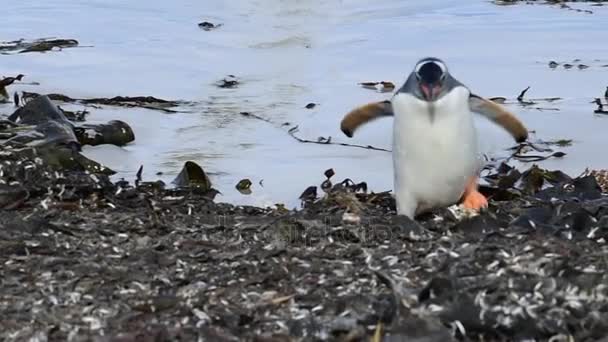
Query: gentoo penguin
(435, 151)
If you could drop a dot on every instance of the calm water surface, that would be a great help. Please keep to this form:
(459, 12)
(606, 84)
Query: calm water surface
(288, 53)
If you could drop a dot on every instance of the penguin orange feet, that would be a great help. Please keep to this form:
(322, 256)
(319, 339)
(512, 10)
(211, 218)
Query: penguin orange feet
(473, 199)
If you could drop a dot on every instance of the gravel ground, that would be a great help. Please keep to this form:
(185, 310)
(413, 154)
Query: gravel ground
(84, 259)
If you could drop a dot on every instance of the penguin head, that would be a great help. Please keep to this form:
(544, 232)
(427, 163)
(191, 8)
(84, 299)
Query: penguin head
(430, 75)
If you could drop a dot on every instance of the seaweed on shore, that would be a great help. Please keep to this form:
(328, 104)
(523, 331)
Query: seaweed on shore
(559, 3)
(208, 26)
(148, 102)
(38, 45)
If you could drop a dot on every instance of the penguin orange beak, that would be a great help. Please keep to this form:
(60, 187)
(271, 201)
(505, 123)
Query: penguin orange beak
(430, 90)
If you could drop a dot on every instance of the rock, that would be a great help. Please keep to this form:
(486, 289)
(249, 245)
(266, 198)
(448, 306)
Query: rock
(38, 110)
(115, 132)
(192, 175)
(244, 186)
(51, 127)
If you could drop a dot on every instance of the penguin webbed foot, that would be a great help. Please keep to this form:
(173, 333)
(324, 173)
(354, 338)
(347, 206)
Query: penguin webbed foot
(472, 199)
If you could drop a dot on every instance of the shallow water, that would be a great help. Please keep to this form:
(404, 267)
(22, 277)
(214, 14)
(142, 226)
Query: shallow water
(288, 53)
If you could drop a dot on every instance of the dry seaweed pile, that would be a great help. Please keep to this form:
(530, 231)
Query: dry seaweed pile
(87, 260)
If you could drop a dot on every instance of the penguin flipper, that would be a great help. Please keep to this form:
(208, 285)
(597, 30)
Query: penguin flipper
(363, 114)
(499, 115)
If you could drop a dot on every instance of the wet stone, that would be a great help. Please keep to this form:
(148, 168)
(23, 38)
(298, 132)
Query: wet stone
(115, 132)
(38, 110)
(192, 175)
(244, 186)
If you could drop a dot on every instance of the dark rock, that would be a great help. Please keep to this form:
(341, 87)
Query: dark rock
(52, 128)
(244, 186)
(192, 175)
(115, 132)
(310, 194)
(586, 188)
(38, 110)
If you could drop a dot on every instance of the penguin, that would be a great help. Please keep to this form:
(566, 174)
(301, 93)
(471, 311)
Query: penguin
(435, 150)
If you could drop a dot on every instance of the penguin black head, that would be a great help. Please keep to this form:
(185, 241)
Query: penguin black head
(431, 74)
(430, 80)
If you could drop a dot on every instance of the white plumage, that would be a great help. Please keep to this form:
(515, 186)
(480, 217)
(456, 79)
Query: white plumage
(434, 155)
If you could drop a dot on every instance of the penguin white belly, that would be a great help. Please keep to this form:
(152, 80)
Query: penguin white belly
(434, 150)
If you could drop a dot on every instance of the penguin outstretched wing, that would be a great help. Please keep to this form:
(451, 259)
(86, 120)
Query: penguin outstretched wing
(363, 114)
(499, 115)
